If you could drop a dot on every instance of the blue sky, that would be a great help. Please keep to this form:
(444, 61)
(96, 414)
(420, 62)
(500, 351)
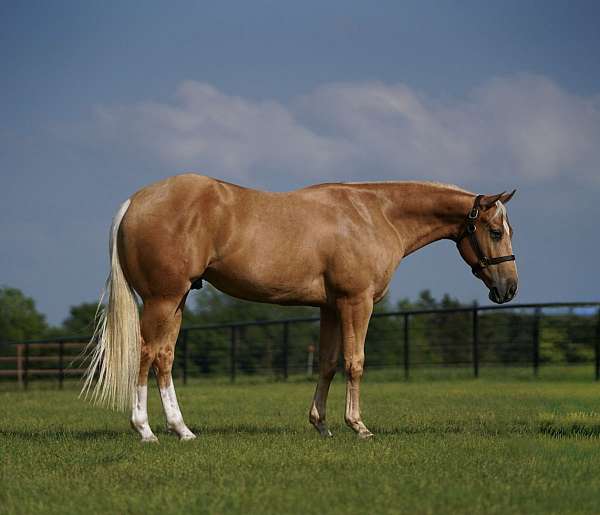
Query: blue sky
(98, 100)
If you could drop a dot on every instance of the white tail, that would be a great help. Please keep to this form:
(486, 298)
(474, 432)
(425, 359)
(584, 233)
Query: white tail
(116, 355)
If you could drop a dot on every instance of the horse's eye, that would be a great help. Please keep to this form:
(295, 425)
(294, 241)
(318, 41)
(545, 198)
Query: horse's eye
(496, 234)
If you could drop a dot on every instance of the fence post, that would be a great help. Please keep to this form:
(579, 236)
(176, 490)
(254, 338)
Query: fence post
(286, 336)
(26, 368)
(597, 346)
(20, 364)
(184, 344)
(475, 340)
(61, 370)
(233, 351)
(406, 347)
(536, 341)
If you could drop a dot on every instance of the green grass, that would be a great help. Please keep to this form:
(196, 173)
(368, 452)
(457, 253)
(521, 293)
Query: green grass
(459, 446)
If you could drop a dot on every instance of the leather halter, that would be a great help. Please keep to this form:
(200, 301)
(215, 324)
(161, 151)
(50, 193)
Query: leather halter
(469, 232)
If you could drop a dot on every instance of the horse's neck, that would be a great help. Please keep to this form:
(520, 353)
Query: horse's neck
(423, 213)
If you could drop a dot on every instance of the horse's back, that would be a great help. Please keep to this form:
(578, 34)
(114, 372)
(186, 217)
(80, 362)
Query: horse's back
(274, 247)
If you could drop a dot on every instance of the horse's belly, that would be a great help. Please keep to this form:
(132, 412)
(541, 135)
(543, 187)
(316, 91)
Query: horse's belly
(277, 288)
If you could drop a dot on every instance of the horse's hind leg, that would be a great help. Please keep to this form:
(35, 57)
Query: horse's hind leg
(160, 321)
(329, 348)
(174, 418)
(139, 413)
(163, 365)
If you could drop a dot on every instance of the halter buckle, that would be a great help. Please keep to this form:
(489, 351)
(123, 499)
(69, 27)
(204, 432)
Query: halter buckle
(473, 214)
(471, 228)
(484, 262)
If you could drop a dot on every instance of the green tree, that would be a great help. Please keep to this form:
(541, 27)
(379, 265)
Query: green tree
(426, 300)
(80, 320)
(19, 319)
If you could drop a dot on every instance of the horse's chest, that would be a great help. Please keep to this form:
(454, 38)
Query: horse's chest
(363, 268)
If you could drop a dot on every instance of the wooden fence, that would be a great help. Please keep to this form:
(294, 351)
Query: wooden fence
(55, 359)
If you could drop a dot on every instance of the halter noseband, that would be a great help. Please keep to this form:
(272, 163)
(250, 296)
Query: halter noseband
(469, 232)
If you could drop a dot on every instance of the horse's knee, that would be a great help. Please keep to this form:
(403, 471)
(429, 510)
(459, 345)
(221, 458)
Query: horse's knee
(354, 369)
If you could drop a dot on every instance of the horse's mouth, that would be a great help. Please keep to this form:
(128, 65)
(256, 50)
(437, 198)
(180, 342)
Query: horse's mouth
(495, 296)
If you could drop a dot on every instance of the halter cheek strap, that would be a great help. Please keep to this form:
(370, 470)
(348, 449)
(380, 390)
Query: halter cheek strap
(469, 232)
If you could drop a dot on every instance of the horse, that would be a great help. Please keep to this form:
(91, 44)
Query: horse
(334, 246)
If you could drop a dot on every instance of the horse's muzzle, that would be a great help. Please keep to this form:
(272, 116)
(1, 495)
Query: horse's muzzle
(500, 295)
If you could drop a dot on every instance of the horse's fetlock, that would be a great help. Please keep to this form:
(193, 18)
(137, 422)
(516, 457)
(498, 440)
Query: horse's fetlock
(352, 421)
(314, 416)
(139, 420)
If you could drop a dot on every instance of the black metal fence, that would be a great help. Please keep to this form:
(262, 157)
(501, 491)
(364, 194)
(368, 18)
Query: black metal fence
(525, 335)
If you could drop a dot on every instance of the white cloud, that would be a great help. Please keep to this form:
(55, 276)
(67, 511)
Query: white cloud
(524, 126)
(219, 134)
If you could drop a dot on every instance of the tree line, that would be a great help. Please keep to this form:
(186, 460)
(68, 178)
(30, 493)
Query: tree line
(444, 338)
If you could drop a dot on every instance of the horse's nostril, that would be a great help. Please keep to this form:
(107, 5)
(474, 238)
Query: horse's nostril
(510, 292)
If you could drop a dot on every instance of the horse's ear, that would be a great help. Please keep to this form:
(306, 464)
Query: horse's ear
(488, 201)
(507, 196)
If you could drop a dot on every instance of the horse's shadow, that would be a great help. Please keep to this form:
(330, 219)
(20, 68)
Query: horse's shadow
(61, 434)
(95, 435)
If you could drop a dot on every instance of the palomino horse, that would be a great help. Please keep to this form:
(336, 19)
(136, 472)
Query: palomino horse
(334, 246)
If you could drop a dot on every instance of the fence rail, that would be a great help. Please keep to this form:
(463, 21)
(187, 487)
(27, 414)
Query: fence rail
(524, 334)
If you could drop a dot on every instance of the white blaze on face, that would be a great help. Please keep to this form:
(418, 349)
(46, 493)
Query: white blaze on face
(501, 211)
(505, 246)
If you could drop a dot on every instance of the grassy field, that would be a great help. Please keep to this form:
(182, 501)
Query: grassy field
(445, 446)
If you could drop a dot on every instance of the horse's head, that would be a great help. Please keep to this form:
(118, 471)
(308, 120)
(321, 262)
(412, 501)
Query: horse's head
(485, 245)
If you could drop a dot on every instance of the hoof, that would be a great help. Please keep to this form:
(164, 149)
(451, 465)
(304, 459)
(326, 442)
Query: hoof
(149, 439)
(365, 435)
(325, 433)
(182, 432)
(323, 430)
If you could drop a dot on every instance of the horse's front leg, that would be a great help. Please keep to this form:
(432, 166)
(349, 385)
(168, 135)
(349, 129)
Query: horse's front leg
(329, 349)
(355, 314)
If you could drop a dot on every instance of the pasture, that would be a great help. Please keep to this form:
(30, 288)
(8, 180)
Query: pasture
(446, 446)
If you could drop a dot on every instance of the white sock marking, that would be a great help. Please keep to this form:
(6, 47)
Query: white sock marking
(139, 414)
(173, 413)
